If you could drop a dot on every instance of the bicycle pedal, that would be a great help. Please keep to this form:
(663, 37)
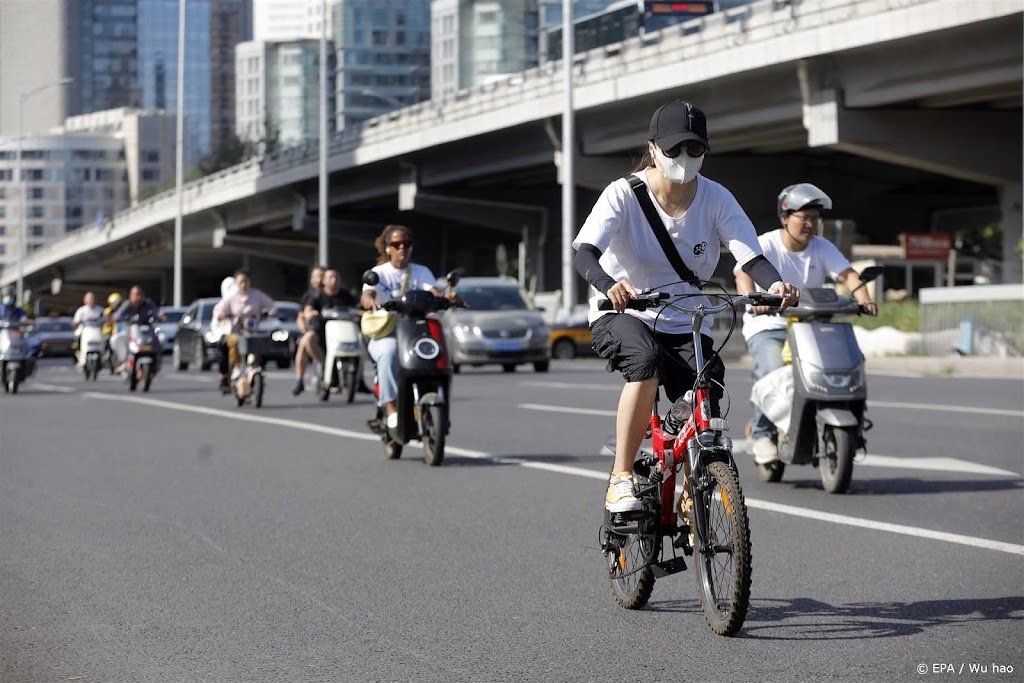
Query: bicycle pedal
(683, 540)
(668, 567)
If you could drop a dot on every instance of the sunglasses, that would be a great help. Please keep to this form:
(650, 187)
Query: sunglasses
(399, 244)
(692, 147)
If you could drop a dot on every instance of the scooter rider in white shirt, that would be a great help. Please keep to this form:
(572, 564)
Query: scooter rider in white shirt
(88, 312)
(805, 259)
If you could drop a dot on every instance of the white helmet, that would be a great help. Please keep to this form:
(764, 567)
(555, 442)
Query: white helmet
(802, 196)
(228, 287)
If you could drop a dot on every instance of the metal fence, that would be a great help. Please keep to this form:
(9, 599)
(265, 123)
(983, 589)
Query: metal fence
(982, 320)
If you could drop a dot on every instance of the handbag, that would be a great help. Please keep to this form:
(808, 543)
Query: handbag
(380, 323)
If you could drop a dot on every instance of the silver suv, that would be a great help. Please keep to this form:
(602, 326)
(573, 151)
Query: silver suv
(499, 326)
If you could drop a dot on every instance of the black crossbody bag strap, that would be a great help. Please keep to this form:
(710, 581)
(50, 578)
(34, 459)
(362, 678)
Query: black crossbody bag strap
(640, 190)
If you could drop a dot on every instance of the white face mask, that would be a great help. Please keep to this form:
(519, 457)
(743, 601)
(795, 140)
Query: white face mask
(674, 171)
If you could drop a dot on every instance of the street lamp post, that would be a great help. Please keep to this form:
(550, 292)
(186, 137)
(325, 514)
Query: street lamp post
(179, 158)
(568, 152)
(23, 228)
(324, 147)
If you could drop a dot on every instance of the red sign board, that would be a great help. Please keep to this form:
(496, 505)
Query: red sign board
(926, 245)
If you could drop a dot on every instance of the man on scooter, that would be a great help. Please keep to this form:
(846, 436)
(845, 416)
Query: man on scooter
(397, 274)
(88, 312)
(139, 305)
(245, 302)
(312, 346)
(9, 310)
(805, 259)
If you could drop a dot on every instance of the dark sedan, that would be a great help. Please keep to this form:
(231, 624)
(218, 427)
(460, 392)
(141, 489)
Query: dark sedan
(196, 344)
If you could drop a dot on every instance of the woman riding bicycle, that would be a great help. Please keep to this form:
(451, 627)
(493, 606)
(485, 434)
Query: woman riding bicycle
(619, 253)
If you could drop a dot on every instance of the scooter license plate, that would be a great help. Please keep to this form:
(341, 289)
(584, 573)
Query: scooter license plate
(13, 365)
(145, 360)
(507, 345)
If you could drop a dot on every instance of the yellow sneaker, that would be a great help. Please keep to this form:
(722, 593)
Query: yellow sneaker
(620, 497)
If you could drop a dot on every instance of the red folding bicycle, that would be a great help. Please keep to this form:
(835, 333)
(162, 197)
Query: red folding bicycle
(711, 522)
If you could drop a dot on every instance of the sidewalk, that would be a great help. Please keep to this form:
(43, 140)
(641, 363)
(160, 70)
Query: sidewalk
(941, 366)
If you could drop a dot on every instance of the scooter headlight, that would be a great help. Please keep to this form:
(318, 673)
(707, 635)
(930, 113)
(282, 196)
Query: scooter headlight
(5, 343)
(843, 381)
(211, 338)
(279, 335)
(161, 336)
(133, 347)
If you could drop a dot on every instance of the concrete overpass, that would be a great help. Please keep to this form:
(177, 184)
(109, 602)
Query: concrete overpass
(908, 112)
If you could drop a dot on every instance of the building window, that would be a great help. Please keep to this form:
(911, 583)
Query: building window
(152, 155)
(150, 174)
(3, 249)
(3, 192)
(32, 174)
(35, 212)
(3, 211)
(35, 193)
(3, 230)
(488, 17)
(36, 230)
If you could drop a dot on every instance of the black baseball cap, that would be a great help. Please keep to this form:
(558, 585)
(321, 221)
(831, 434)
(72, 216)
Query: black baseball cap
(677, 122)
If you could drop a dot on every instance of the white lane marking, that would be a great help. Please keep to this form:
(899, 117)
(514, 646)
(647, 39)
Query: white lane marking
(566, 409)
(941, 464)
(53, 387)
(582, 472)
(941, 407)
(945, 408)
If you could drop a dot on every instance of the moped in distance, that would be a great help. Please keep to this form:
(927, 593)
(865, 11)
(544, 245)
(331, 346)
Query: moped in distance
(424, 373)
(343, 366)
(16, 361)
(90, 348)
(249, 382)
(143, 359)
(819, 401)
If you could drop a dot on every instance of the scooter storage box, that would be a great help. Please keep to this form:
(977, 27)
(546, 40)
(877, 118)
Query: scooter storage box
(261, 345)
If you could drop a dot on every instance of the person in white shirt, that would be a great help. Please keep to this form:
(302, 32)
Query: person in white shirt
(804, 258)
(618, 253)
(394, 264)
(88, 312)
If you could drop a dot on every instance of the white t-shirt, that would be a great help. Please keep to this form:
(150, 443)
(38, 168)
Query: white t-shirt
(618, 227)
(87, 313)
(807, 268)
(390, 284)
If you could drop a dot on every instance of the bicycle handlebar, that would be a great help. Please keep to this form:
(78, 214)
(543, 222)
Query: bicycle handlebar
(647, 300)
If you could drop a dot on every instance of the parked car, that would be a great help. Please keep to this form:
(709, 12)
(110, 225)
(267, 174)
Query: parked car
(166, 330)
(56, 336)
(571, 339)
(499, 326)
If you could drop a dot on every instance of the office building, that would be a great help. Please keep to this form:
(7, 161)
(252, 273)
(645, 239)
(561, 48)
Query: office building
(382, 49)
(28, 62)
(81, 174)
(284, 20)
(278, 91)
(473, 40)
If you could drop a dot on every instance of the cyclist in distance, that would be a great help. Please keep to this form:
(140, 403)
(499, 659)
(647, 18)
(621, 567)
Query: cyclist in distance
(618, 252)
(805, 259)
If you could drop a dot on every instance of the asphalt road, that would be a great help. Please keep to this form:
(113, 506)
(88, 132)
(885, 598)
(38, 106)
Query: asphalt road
(171, 536)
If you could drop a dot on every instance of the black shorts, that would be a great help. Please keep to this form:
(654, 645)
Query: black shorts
(638, 353)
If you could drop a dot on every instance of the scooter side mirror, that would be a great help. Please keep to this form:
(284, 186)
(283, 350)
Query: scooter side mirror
(454, 276)
(371, 278)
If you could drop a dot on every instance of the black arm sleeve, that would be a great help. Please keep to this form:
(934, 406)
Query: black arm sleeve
(762, 271)
(587, 265)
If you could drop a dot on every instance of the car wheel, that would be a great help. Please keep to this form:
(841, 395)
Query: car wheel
(563, 349)
(284, 364)
(542, 366)
(177, 361)
(508, 367)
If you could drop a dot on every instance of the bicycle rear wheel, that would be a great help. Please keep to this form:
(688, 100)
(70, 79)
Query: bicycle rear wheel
(723, 555)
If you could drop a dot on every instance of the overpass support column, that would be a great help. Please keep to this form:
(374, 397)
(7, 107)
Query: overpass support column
(929, 140)
(1010, 202)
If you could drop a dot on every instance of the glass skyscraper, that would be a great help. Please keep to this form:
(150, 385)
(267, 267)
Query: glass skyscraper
(129, 58)
(383, 56)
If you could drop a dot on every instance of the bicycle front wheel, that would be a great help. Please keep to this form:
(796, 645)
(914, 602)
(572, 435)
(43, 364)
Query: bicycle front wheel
(629, 568)
(723, 555)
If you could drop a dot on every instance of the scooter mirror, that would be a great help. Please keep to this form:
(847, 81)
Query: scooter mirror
(871, 273)
(371, 278)
(454, 276)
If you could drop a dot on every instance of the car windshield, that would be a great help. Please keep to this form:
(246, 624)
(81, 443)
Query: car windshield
(287, 313)
(53, 326)
(206, 313)
(173, 316)
(490, 298)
